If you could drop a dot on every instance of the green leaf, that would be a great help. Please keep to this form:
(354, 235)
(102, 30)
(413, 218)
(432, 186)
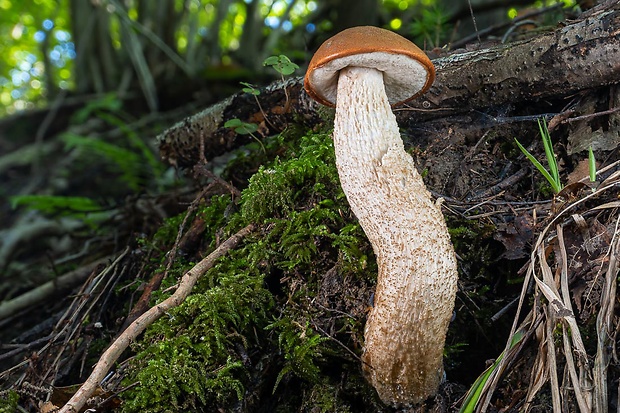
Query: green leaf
(56, 204)
(555, 183)
(281, 64)
(473, 394)
(270, 61)
(250, 88)
(591, 165)
(128, 162)
(109, 102)
(242, 128)
(551, 161)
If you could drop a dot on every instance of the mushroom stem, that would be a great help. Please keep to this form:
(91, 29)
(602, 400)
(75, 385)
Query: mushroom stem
(414, 298)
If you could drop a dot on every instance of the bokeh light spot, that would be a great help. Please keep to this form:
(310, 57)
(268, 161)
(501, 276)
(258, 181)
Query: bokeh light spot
(395, 24)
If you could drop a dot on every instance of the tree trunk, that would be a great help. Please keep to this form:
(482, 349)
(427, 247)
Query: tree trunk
(252, 37)
(350, 13)
(96, 65)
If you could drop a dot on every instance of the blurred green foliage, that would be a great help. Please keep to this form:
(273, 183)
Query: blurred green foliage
(44, 39)
(38, 58)
(36, 52)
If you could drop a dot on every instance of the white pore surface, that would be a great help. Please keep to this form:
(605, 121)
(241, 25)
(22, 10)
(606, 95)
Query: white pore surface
(403, 76)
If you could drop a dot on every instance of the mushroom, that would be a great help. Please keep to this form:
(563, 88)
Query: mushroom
(362, 71)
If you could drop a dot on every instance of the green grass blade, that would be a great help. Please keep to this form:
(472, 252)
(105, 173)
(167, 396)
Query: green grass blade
(474, 392)
(551, 161)
(591, 165)
(540, 168)
(471, 401)
(52, 204)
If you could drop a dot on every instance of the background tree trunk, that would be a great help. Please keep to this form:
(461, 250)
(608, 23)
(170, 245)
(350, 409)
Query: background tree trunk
(97, 68)
(350, 13)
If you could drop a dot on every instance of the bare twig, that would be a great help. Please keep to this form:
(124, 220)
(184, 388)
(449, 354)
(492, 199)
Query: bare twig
(110, 356)
(502, 185)
(591, 115)
(473, 20)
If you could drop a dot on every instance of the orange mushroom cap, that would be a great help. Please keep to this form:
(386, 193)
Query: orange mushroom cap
(407, 70)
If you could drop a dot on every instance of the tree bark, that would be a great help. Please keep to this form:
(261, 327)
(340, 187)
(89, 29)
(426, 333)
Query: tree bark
(581, 56)
(96, 63)
(350, 13)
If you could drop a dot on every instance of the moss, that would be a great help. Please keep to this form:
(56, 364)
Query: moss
(8, 401)
(323, 398)
(210, 351)
(188, 358)
(296, 183)
(302, 350)
(474, 244)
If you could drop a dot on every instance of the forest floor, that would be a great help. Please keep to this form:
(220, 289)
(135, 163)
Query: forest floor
(98, 230)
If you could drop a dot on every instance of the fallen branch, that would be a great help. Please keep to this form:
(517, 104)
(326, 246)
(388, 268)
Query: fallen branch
(51, 288)
(141, 323)
(583, 55)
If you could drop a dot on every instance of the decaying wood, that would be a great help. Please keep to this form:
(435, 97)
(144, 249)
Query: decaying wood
(580, 56)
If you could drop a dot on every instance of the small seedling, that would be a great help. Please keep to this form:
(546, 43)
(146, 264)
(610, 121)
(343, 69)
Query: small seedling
(244, 128)
(552, 175)
(591, 165)
(250, 88)
(281, 64)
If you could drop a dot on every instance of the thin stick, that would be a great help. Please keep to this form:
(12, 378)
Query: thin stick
(473, 19)
(141, 323)
(591, 115)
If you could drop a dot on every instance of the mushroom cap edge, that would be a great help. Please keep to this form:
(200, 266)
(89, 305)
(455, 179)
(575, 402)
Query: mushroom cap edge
(408, 71)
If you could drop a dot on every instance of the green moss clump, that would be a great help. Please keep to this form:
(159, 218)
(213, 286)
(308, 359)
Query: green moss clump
(302, 350)
(293, 184)
(8, 401)
(474, 244)
(211, 351)
(323, 399)
(185, 359)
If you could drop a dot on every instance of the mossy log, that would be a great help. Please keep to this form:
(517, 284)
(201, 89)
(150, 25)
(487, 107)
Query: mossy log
(582, 56)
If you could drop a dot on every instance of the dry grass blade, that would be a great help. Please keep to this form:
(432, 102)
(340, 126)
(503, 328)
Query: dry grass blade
(559, 310)
(528, 326)
(582, 384)
(614, 204)
(558, 304)
(43, 292)
(540, 370)
(588, 381)
(604, 325)
(471, 398)
(72, 322)
(552, 362)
